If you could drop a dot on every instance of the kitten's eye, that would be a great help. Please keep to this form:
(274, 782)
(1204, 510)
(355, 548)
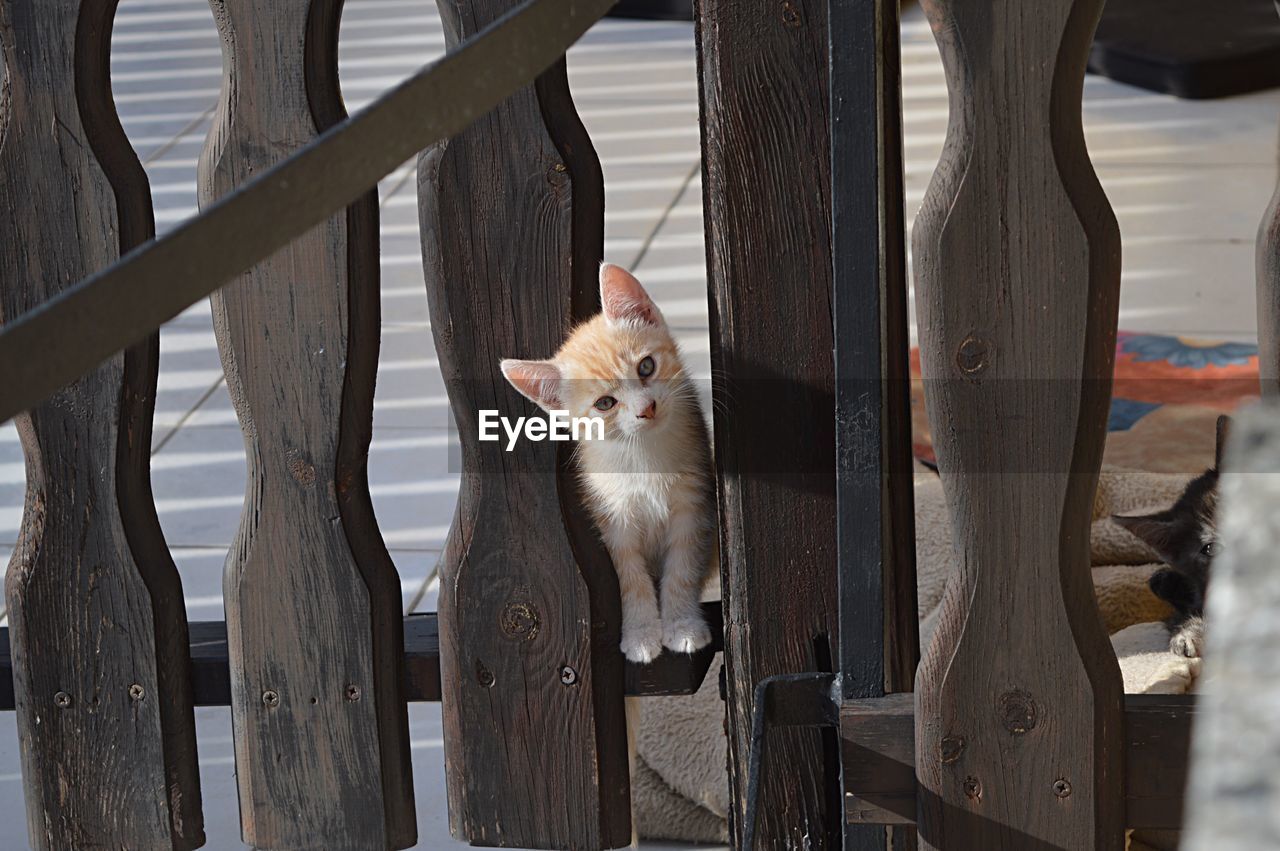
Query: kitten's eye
(604, 403)
(1210, 549)
(646, 366)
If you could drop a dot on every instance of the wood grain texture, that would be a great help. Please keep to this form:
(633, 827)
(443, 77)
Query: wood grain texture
(1233, 799)
(513, 232)
(878, 744)
(766, 196)
(99, 631)
(1157, 758)
(312, 597)
(878, 738)
(1018, 269)
(1268, 264)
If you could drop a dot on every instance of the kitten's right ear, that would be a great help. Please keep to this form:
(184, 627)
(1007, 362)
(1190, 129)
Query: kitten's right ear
(1155, 530)
(537, 380)
(623, 299)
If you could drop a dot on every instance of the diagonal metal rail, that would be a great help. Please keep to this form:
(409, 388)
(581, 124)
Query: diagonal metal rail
(53, 345)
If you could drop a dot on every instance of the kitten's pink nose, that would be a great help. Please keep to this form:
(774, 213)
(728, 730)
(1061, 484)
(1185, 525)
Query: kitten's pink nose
(647, 413)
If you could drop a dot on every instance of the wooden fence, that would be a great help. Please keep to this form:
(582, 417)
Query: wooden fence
(1017, 736)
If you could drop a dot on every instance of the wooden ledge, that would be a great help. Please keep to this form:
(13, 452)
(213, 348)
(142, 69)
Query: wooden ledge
(669, 674)
(878, 738)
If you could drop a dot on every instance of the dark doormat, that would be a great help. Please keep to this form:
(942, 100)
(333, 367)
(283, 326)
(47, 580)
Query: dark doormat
(1190, 48)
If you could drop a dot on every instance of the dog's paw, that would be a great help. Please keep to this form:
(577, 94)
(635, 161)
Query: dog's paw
(686, 635)
(642, 641)
(1188, 639)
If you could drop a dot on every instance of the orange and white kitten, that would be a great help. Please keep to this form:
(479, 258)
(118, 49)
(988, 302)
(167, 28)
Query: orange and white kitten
(648, 483)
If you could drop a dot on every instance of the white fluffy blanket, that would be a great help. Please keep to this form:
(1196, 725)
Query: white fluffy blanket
(680, 789)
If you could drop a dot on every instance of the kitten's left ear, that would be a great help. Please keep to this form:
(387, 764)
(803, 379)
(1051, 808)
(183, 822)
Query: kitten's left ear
(624, 300)
(537, 380)
(1155, 530)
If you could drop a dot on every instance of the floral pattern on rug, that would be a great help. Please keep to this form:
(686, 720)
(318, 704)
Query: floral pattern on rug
(1158, 378)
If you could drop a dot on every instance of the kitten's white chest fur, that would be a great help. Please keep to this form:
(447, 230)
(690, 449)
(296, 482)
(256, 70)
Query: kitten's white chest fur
(651, 500)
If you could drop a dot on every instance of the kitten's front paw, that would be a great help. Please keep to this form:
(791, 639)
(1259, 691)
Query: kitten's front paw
(686, 635)
(642, 642)
(1188, 640)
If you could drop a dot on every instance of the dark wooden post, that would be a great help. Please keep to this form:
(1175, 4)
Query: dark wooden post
(1018, 700)
(879, 630)
(312, 597)
(513, 232)
(1269, 298)
(766, 193)
(98, 627)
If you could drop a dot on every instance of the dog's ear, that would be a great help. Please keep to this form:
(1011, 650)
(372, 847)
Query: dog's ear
(1154, 530)
(1174, 588)
(1224, 429)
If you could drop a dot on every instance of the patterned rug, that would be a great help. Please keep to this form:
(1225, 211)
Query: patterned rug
(1166, 399)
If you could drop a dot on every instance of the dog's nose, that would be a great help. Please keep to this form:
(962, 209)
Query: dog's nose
(647, 413)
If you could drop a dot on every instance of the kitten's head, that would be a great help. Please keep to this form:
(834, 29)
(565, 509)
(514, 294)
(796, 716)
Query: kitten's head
(1185, 537)
(622, 365)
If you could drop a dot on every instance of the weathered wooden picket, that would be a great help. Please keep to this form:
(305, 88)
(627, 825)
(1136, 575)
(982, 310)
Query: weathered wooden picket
(1017, 736)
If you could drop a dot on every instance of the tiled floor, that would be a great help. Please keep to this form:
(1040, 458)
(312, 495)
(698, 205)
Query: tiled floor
(1189, 182)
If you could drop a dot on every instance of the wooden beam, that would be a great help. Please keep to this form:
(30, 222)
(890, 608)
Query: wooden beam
(311, 594)
(122, 305)
(104, 719)
(766, 196)
(512, 213)
(670, 674)
(1017, 259)
(878, 738)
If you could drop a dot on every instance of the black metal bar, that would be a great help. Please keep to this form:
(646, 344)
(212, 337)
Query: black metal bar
(669, 674)
(858, 312)
(53, 345)
(879, 638)
(873, 482)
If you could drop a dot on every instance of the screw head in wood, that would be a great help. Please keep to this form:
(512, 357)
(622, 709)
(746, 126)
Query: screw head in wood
(270, 698)
(353, 692)
(972, 789)
(1061, 788)
(568, 675)
(62, 700)
(137, 692)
